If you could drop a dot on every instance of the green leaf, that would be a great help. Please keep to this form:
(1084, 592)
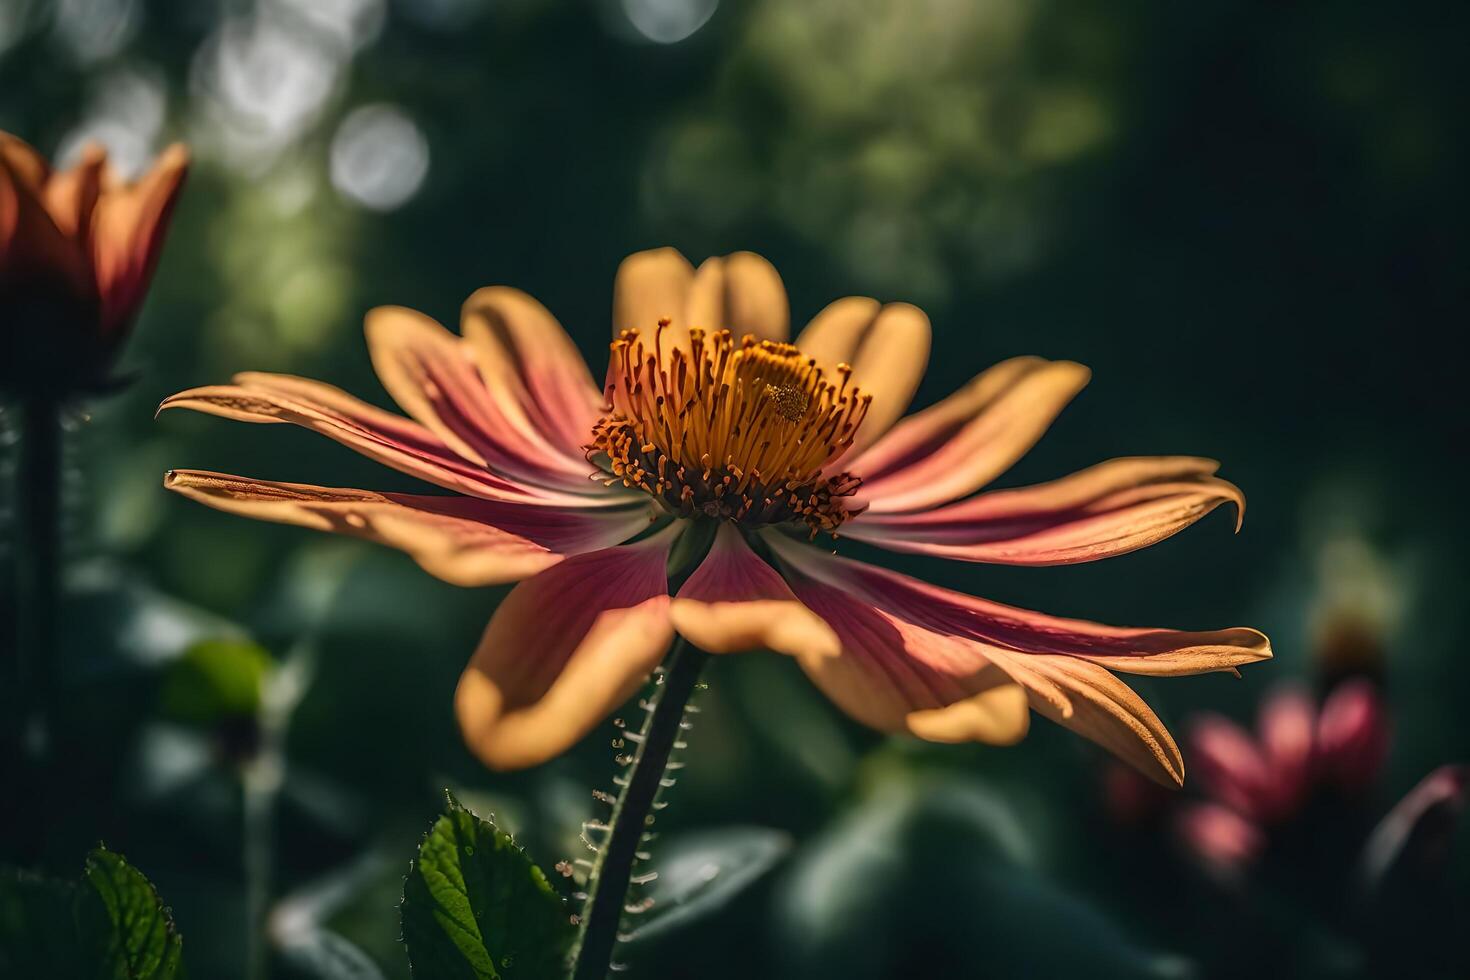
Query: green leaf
(144, 945)
(215, 681)
(49, 928)
(701, 873)
(475, 907)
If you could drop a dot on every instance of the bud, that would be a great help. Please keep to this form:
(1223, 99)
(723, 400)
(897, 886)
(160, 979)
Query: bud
(77, 251)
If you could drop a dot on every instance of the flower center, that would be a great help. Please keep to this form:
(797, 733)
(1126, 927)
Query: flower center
(733, 429)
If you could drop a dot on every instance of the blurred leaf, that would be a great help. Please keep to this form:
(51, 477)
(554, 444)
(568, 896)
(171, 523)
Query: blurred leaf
(216, 681)
(49, 928)
(112, 619)
(699, 874)
(944, 867)
(474, 906)
(327, 956)
(144, 943)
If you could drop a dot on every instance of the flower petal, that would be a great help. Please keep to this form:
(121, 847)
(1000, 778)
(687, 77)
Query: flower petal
(742, 293)
(128, 227)
(435, 376)
(1232, 767)
(31, 245)
(1059, 661)
(1109, 509)
(734, 602)
(887, 347)
(71, 196)
(382, 436)
(896, 676)
(1352, 735)
(534, 375)
(962, 443)
(1286, 721)
(650, 286)
(1222, 839)
(462, 540)
(1420, 827)
(563, 650)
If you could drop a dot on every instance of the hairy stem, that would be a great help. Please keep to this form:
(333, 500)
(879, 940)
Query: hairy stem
(607, 887)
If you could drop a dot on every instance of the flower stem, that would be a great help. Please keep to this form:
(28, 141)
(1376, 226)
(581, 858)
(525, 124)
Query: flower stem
(28, 662)
(607, 887)
(38, 554)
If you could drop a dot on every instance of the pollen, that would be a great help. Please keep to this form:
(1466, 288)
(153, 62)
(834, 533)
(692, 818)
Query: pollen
(743, 429)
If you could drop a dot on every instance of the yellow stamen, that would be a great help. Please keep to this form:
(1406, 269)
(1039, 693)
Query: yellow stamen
(739, 430)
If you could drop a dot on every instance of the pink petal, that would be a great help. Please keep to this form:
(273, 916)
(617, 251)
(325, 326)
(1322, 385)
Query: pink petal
(1057, 661)
(1231, 766)
(734, 602)
(491, 420)
(955, 447)
(382, 436)
(1110, 509)
(531, 367)
(1134, 650)
(896, 676)
(463, 540)
(1352, 735)
(1287, 723)
(564, 650)
(1222, 839)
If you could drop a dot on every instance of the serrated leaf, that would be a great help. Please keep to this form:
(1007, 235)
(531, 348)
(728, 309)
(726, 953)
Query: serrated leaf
(144, 945)
(699, 874)
(475, 907)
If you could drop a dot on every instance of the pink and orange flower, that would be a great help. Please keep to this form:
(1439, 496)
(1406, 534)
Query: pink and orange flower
(77, 251)
(717, 451)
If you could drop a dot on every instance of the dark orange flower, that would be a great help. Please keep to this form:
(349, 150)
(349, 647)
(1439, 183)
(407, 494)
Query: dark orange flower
(765, 444)
(77, 250)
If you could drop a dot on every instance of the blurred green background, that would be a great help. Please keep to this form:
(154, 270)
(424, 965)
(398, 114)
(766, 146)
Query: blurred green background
(1247, 218)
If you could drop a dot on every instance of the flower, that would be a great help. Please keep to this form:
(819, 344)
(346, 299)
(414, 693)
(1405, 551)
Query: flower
(1254, 785)
(77, 250)
(760, 444)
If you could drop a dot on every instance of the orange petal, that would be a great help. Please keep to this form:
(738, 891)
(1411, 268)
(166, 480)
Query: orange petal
(896, 676)
(734, 602)
(651, 286)
(1110, 509)
(462, 540)
(967, 440)
(887, 347)
(389, 439)
(563, 651)
(71, 196)
(531, 369)
(1108, 712)
(1059, 662)
(742, 293)
(21, 161)
(34, 253)
(128, 228)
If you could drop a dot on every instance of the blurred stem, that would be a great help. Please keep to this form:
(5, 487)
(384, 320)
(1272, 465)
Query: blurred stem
(38, 572)
(262, 777)
(29, 656)
(607, 887)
